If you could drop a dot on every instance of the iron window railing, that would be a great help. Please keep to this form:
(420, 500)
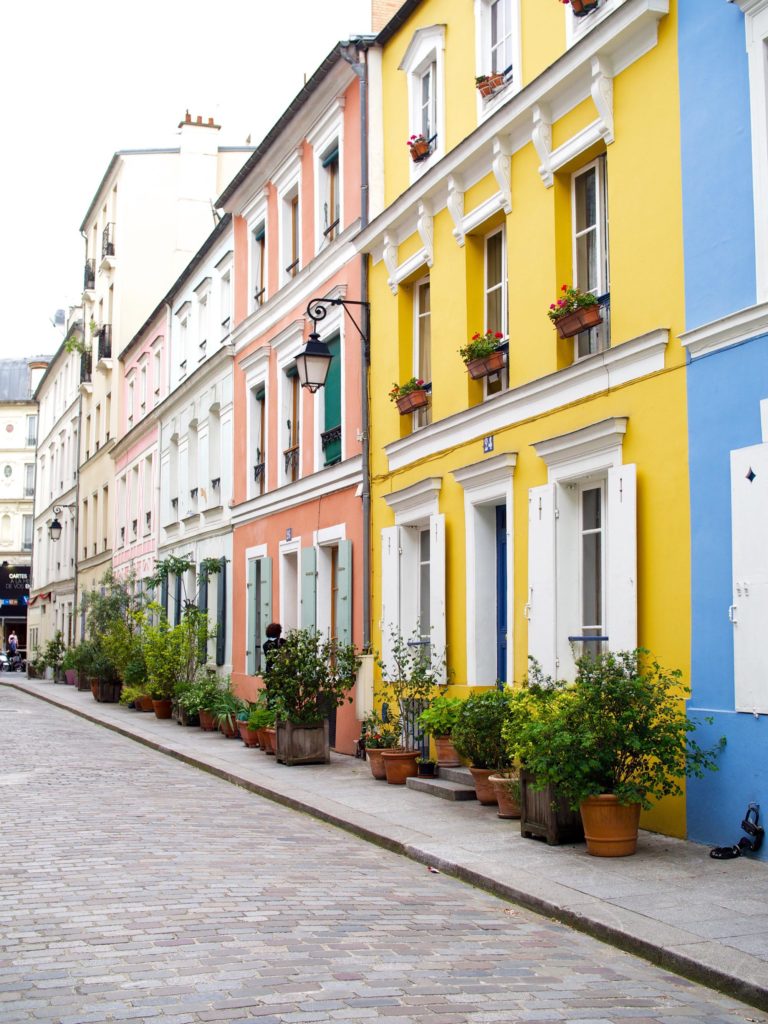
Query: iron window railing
(328, 437)
(85, 367)
(108, 241)
(291, 456)
(89, 275)
(105, 341)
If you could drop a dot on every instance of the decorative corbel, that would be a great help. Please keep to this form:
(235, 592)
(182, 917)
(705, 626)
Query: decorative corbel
(425, 227)
(389, 255)
(602, 96)
(502, 172)
(456, 206)
(541, 136)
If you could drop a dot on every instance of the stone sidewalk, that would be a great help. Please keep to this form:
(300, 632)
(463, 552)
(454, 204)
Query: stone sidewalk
(670, 903)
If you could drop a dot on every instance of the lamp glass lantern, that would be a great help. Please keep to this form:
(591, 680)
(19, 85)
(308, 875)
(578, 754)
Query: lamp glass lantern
(313, 363)
(54, 529)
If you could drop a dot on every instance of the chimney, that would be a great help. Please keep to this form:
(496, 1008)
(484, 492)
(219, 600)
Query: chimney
(198, 122)
(383, 11)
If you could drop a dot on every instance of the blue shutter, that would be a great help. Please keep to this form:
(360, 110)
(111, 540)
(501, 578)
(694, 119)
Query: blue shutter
(177, 599)
(265, 607)
(202, 605)
(164, 596)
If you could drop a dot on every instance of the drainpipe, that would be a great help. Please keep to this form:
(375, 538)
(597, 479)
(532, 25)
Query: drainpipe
(77, 469)
(355, 53)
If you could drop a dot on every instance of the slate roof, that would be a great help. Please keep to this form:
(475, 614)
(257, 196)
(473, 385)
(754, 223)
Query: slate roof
(14, 378)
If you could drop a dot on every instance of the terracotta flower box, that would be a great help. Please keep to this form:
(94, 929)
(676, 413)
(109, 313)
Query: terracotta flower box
(582, 7)
(479, 368)
(419, 150)
(412, 401)
(491, 84)
(579, 320)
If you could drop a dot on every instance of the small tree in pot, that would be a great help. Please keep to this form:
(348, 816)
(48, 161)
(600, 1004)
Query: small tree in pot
(308, 677)
(55, 649)
(439, 720)
(477, 736)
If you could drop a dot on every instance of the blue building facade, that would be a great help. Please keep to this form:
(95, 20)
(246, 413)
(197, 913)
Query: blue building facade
(724, 131)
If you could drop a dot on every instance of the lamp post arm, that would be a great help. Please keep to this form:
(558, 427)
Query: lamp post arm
(317, 309)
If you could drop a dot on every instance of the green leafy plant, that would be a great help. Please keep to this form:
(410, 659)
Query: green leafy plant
(261, 718)
(481, 345)
(226, 705)
(426, 760)
(621, 728)
(172, 652)
(571, 300)
(410, 676)
(69, 661)
(54, 652)
(309, 676)
(401, 390)
(440, 718)
(477, 734)
(200, 693)
(378, 734)
(130, 694)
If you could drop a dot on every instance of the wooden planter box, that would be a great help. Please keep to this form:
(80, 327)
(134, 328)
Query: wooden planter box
(571, 324)
(105, 691)
(411, 402)
(303, 744)
(83, 682)
(544, 814)
(479, 368)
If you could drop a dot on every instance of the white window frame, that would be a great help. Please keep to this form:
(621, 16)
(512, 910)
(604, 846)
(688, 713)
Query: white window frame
(286, 346)
(426, 48)
(504, 286)
(323, 540)
(577, 28)
(256, 218)
(328, 131)
(756, 27)
(599, 166)
(422, 417)
(257, 376)
(288, 182)
(289, 618)
(487, 104)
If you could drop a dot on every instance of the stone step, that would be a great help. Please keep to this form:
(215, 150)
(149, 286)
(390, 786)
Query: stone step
(442, 788)
(461, 775)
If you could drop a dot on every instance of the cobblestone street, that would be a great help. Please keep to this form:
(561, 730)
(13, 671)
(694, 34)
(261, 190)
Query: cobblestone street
(134, 887)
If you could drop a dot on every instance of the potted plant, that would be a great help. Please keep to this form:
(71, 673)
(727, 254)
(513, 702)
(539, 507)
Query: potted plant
(575, 311)
(308, 677)
(36, 667)
(426, 767)
(226, 708)
(582, 7)
(483, 354)
(261, 720)
(506, 786)
(378, 736)
(438, 721)
(418, 146)
(477, 736)
(487, 85)
(611, 743)
(69, 666)
(409, 679)
(104, 681)
(249, 736)
(410, 396)
(55, 649)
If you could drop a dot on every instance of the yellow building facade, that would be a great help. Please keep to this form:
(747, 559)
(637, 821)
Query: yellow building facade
(549, 500)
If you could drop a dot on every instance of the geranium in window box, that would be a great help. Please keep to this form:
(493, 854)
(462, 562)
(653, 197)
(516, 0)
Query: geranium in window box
(487, 85)
(575, 311)
(419, 147)
(410, 396)
(483, 354)
(582, 7)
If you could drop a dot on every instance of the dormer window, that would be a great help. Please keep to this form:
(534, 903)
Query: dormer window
(498, 49)
(423, 63)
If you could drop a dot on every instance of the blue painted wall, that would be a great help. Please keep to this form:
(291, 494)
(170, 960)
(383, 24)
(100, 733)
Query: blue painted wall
(718, 217)
(724, 393)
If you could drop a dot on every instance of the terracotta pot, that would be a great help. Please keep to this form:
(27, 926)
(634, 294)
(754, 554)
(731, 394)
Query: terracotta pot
(207, 721)
(507, 789)
(419, 151)
(248, 736)
(411, 402)
(145, 703)
(163, 708)
(491, 84)
(582, 7)
(270, 735)
(400, 765)
(446, 752)
(486, 794)
(229, 729)
(571, 324)
(610, 828)
(376, 761)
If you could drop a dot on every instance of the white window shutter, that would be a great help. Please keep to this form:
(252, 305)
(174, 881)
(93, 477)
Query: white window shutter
(390, 591)
(541, 577)
(437, 591)
(621, 559)
(251, 639)
(308, 588)
(568, 590)
(749, 611)
(344, 595)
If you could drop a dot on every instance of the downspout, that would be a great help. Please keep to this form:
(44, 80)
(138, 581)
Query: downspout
(359, 64)
(78, 617)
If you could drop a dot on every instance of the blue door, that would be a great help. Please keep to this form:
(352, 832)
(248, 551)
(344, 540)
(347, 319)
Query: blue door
(501, 593)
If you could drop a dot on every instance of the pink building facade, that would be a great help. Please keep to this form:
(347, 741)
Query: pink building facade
(297, 517)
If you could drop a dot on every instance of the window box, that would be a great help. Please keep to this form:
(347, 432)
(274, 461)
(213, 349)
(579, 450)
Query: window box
(583, 7)
(580, 320)
(419, 149)
(479, 368)
(412, 401)
(487, 85)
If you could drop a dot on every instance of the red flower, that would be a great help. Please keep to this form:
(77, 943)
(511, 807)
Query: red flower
(499, 334)
(564, 288)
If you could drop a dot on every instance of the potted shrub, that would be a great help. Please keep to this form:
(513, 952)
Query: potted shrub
(410, 396)
(36, 667)
(409, 681)
(261, 720)
(194, 697)
(426, 767)
(55, 649)
(438, 721)
(487, 85)
(477, 736)
(105, 682)
(611, 743)
(483, 355)
(418, 146)
(69, 666)
(249, 736)
(378, 736)
(308, 677)
(226, 707)
(575, 311)
(129, 697)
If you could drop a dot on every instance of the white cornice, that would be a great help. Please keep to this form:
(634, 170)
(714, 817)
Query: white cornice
(729, 330)
(289, 337)
(348, 473)
(605, 436)
(752, 6)
(616, 43)
(418, 501)
(486, 472)
(187, 390)
(257, 361)
(583, 379)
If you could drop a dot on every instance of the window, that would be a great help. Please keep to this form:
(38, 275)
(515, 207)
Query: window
(582, 544)
(259, 589)
(157, 374)
(422, 347)
(148, 495)
(173, 478)
(330, 438)
(143, 388)
(590, 249)
(258, 438)
(330, 199)
(202, 326)
(192, 469)
(183, 332)
(26, 533)
(213, 483)
(427, 121)
(29, 479)
(134, 503)
(423, 64)
(97, 428)
(131, 406)
(31, 431)
(496, 300)
(292, 432)
(291, 230)
(226, 305)
(501, 35)
(259, 264)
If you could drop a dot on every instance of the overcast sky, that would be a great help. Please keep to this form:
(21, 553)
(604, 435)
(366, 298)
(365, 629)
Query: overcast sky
(80, 80)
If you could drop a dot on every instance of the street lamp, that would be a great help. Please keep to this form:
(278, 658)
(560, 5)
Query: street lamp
(314, 361)
(54, 527)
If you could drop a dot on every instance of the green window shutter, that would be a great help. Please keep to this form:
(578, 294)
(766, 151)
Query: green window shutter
(177, 598)
(344, 594)
(202, 606)
(164, 595)
(252, 639)
(221, 613)
(332, 400)
(265, 607)
(332, 157)
(308, 588)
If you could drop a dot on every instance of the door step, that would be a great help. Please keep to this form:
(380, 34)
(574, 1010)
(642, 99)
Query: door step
(443, 788)
(461, 775)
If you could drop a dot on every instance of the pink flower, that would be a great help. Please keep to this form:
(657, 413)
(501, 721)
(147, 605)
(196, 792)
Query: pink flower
(553, 306)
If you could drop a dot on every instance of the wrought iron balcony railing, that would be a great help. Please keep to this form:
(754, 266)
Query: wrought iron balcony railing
(85, 367)
(105, 341)
(291, 456)
(108, 241)
(329, 437)
(89, 275)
